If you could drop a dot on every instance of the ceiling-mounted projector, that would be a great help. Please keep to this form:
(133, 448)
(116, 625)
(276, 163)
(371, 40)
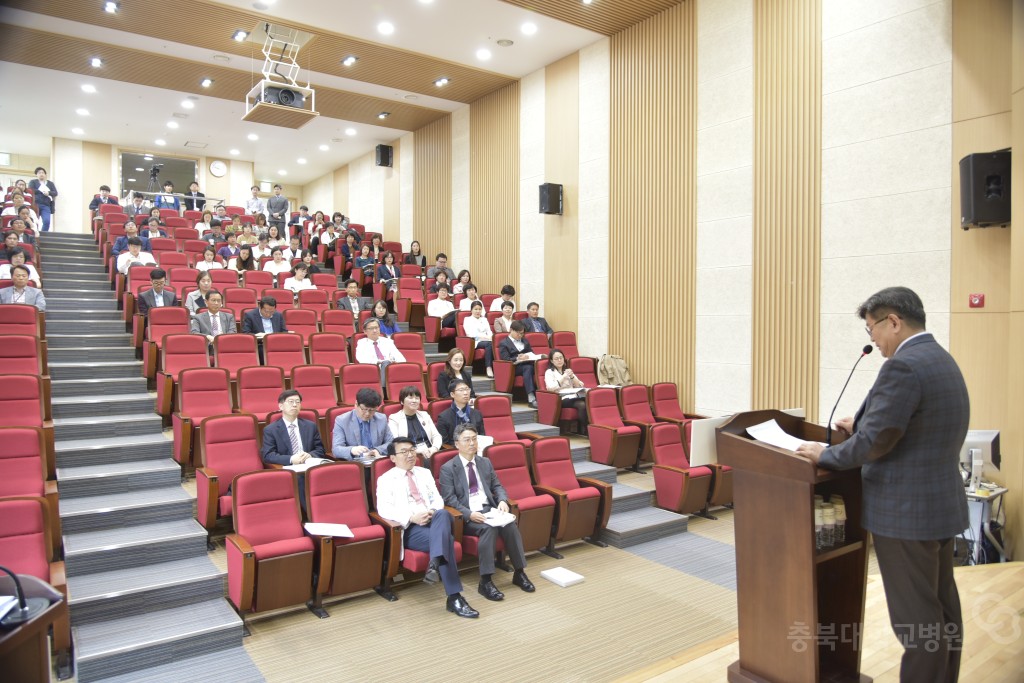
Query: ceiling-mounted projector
(284, 96)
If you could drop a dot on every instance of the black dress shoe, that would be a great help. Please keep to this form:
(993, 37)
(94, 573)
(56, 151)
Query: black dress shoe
(458, 605)
(490, 591)
(520, 579)
(432, 575)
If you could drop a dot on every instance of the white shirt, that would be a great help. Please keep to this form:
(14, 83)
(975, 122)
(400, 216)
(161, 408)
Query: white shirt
(277, 268)
(499, 302)
(439, 309)
(395, 502)
(467, 304)
(33, 274)
(207, 265)
(478, 329)
(125, 259)
(298, 285)
(366, 354)
(479, 499)
(255, 205)
(257, 252)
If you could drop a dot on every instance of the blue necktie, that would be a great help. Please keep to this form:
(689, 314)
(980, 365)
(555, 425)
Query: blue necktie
(364, 434)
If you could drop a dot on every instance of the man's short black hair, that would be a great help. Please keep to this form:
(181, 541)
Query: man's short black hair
(277, 186)
(157, 274)
(350, 281)
(137, 195)
(393, 446)
(104, 188)
(20, 267)
(508, 289)
(134, 242)
(287, 394)
(464, 427)
(532, 304)
(268, 301)
(368, 397)
(441, 255)
(168, 183)
(517, 326)
(459, 382)
(303, 208)
(902, 301)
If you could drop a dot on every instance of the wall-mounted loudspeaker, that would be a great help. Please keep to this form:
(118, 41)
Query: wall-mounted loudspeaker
(384, 155)
(551, 198)
(985, 190)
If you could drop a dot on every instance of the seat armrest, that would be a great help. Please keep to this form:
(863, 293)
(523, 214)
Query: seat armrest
(528, 435)
(504, 376)
(393, 544)
(675, 470)
(241, 571)
(458, 523)
(431, 329)
(549, 407)
(207, 497)
(605, 509)
(561, 508)
(58, 577)
(325, 553)
(644, 426)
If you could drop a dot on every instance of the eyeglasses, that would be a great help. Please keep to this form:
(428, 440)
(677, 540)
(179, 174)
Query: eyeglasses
(462, 389)
(467, 439)
(870, 329)
(366, 409)
(405, 452)
(293, 402)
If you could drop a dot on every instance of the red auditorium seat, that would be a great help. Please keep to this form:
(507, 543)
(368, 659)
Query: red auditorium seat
(497, 415)
(223, 278)
(566, 343)
(23, 403)
(229, 446)
(635, 407)
(355, 377)
(202, 392)
(301, 323)
(534, 509)
(23, 471)
(284, 350)
(180, 351)
(319, 390)
(338, 320)
(678, 486)
(258, 389)
(397, 376)
(315, 300)
(257, 279)
(611, 441)
(234, 351)
(328, 348)
(239, 299)
(410, 345)
(163, 321)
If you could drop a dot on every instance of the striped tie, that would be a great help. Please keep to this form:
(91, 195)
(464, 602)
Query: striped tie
(293, 433)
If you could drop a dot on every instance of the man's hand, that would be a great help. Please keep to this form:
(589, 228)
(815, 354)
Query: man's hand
(521, 357)
(359, 451)
(811, 450)
(477, 517)
(373, 454)
(209, 338)
(503, 506)
(845, 425)
(300, 458)
(422, 518)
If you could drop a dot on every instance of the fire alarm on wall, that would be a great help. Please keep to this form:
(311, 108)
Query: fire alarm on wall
(976, 300)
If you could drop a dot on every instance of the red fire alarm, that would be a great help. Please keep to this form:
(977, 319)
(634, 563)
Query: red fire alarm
(976, 300)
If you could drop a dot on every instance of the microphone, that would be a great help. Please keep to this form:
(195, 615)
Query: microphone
(868, 348)
(27, 608)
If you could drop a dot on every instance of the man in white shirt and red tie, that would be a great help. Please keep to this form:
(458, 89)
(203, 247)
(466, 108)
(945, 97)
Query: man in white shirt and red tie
(374, 349)
(406, 495)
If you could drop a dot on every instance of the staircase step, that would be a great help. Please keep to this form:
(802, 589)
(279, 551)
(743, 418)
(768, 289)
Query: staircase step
(596, 470)
(90, 281)
(162, 637)
(523, 414)
(125, 509)
(119, 339)
(76, 267)
(120, 592)
(82, 314)
(537, 428)
(75, 293)
(94, 406)
(436, 357)
(82, 328)
(626, 529)
(70, 369)
(112, 449)
(97, 426)
(232, 665)
(483, 385)
(79, 304)
(626, 498)
(116, 477)
(430, 348)
(93, 354)
(94, 387)
(580, 452)
(105, 550)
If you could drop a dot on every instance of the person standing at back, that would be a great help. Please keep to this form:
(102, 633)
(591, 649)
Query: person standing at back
(44, 193)
(277, 209)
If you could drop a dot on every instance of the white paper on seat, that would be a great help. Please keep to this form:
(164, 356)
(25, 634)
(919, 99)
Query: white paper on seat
(562, 577)
(495, 517)
(771, 433)
(325, 529)
(7, 602)
(530, 357)
(302, 467)
(483, 441)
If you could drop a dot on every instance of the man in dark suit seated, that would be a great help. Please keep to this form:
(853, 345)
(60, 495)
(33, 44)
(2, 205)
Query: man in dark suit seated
(138, 206)
(157, 297)
(459, 413)
(213, 322)
(535, 323)
(121, 243)
(264, 320)
(353, 302)
(515, 349)
(291, 440)
(906, 438)
(469, 485)
(104, 197)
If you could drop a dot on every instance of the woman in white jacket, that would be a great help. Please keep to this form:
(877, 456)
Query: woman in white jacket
(414, 423)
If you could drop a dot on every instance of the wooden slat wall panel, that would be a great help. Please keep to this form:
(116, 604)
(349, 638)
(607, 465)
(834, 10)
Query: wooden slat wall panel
(562, 165)
(787, 204)
(607, 17)
(432, 187)
(65, 53)
(653, 203)
(494, 189)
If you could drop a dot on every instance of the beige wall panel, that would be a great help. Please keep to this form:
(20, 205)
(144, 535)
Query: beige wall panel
(95, 172)
(494, 189)
(653, 204)
(341, 190)
(787, 204)
(562, 165)
(432, 187)
(393, 194)
(975, 338)
(981, 70)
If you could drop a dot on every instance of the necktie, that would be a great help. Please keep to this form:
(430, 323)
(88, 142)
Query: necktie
(364, 434)
(215, 326)
(474, 485)
(380, 356)
(355, 305)
(414, 490)
(293, 434)
(158, 300)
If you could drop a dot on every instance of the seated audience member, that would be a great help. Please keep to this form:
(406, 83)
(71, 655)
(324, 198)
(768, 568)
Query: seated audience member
(229, 250)
(244, 261)
(515, 348)
(18, 226)
(154, 228)
(167, 200)
(507, 292)
(291, 440)
(388, 273)
(470, 297)
(559, 377)
(460, 412)
(138, 209)
(463, 279)
(265, 319)
(470, 485)
(17, 202)
(104, 197)
(307, 257)
(196, 299)
(534, 323)
(455, 370)
(440, 266)
(275, 238)
(298, 281)
(134, 256)
(478, 329)
(157, 296)
(247, 237)
(374, 349)
(277, 263)
(209, 260)
(10, 244)
(261, 224)
(442, 308)
(441, 278)
(415, 424)
(20, 292)
(213, 322)
(504, 323)
(407, 495)
(328, 238)
(17, 258)
(29, 223)
(121, 243)
(377, 247)
(213, 233)
(20, 186)
(221, 216)
(295, 224)
(362, 432)
(254, 206)
(194, 200)
(348, 252)
(353, 301)
(235, 225)
(262, 248)
(415, 256)
(365, 261)
(293, 249)
(388, 325)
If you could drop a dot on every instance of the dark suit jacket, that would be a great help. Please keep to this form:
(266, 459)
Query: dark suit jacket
(544, 327)
(252, 323)
(455, 488)
(131, 210)
(26, 238)
(96, 202)
(445, 382)
(449, 420)
(277, 447)
(147, 300)
(195, 204)
(508, 351)
(121, 244)
(907, 436)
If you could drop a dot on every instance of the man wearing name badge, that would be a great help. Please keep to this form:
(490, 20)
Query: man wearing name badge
(906, 437)
(514, 348)
(374, 349)
(21, 293)
(137, 207)
(469, 485)
(362, 432)
(121, 243)
(277, 209)
(459, 413)
(157, 296)
(407, 496)
(212, 321)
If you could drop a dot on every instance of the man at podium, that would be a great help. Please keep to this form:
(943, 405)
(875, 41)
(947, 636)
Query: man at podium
(906, 437)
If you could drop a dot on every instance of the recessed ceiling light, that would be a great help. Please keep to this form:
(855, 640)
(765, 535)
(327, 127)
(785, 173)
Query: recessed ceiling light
(350, 60)
(240, 36)
(148, 157)
(282, 172)
(529, 28)
(253, 137)
(350, 131)
(110, 7)
(160, 142)
(173, 125)
(131, 180)
(188, 104)
(77, 131)
(141, 170)
(505, 42)
(300, 160)
(96, 62)
(483, 54)
(89, 88)
(234, 152)
(587, 2)
(441, 82)
(206, 82)
(324, 148)
(385, 28)
(426, 2)
(81, 111)
(383, 115)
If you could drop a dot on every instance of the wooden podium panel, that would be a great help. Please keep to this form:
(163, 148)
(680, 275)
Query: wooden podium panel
(801, 611)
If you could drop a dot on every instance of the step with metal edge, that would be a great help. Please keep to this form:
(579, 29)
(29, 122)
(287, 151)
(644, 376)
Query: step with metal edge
(630, 528)
(626, 498)
(112, 449)
(125, 509)
(105, 550)
(98, 386)
(81, 369)
(105, 425)
(100, 405)
(80, 480)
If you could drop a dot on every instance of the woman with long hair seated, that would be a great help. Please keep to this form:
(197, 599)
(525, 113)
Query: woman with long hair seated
(379, 312)
(244, 261)
(277, 263)
(478, 329)
(455, 370)
(560, 378)
(196, 300)
(415, 256)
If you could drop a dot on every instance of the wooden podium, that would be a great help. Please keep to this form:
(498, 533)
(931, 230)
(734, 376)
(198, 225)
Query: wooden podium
(801, 611)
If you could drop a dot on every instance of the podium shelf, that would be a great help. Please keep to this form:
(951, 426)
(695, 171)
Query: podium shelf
(833, 553)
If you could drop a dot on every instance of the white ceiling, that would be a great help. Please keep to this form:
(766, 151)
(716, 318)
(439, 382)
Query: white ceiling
(130, 115)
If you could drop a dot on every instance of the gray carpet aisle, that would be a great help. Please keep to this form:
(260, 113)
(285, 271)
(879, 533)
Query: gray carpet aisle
(147, 604)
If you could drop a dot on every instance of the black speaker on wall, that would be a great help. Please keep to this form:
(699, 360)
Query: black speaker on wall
(985, 190)
(551, 198)
(384, 155)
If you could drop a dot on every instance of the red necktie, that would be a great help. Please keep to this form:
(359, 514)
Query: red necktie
(380, 356)
(474, 485)
(414, 490)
